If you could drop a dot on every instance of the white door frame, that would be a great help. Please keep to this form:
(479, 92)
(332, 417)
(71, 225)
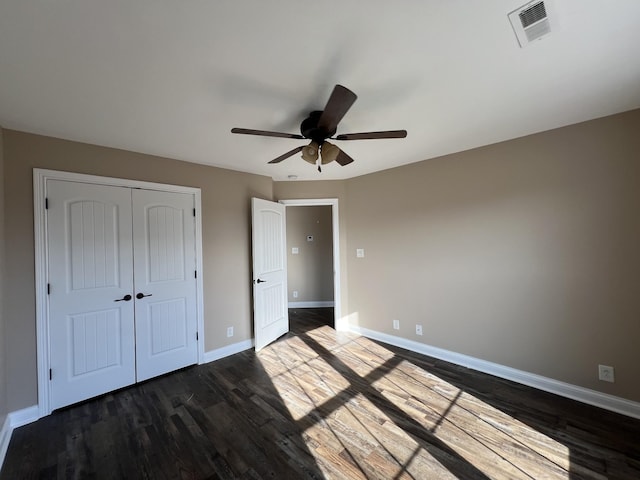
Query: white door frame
(40, 177)
(335, 222)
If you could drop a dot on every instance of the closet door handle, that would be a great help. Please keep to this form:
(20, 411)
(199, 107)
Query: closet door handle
(126, 298)
(261, 281)
(142, 295)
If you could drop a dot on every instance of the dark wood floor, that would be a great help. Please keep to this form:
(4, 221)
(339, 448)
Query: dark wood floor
(321, 404)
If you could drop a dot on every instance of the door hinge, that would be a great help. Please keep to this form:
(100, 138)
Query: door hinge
(194, 212)
(197, 336)
(195, 274)
(46, 203)
(48, 289)
(50, 374)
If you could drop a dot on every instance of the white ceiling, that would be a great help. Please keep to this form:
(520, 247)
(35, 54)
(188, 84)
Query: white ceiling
(172, 78)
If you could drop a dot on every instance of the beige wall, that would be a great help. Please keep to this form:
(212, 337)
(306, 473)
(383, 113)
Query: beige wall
(226, 239)
(323, 189)
(3, 338)
(310, 271)
(524, 253)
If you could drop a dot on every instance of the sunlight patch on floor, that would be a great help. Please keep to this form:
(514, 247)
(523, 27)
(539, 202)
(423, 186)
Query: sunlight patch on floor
(346, 407)
(302, 380)
(461, 421)
(466, 409)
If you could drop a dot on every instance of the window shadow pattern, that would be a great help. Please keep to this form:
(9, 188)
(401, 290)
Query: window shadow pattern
(460, 423)
(320, 404)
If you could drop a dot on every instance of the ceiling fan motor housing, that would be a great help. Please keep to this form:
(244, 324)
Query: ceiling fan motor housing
(309, 128)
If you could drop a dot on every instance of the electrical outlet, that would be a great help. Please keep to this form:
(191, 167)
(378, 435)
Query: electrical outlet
(418, 329)
(360, 252)
(606, 374)
(295, 294)
(229, 331)
(396, 324)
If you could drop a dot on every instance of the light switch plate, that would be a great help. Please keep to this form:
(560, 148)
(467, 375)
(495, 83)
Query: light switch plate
(294, 251)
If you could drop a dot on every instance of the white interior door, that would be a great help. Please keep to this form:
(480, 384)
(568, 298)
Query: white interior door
(122, 301)
(165, 283)
(91, 314)
(270, 314)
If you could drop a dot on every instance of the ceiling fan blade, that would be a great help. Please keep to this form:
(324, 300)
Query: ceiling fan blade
(287, 155)
(373, 135)
(343, 159)
(265, 133)
(337, 106)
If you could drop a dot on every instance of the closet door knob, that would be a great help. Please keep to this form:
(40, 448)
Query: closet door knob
(126, 298)
(142, 295)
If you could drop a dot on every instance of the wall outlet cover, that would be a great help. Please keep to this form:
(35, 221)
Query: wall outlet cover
(606, 373)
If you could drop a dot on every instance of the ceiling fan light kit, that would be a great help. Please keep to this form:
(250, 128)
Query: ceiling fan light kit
(329, 152)
(321, 125)
(310, 152)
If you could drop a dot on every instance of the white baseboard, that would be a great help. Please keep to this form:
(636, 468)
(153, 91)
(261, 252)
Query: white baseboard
(24, 416)
(14, 420)
(311, 304)
(232, 349)
(574, 392)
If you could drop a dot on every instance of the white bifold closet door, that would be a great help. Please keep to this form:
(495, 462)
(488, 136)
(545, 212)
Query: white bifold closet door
(122, 288)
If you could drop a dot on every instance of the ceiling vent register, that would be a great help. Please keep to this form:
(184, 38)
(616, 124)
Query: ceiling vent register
(530, 22)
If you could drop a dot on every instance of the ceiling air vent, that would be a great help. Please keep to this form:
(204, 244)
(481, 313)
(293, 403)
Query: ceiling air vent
(530, 22)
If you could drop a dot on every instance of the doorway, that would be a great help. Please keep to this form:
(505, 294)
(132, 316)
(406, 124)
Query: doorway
(323, 300)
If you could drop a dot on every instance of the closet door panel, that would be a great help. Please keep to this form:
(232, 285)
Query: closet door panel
(165, 283)
(91, 326)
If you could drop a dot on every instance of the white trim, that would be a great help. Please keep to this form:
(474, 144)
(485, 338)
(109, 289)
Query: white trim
(14, 420)
(5, 438)
(335, 226)
(41, 276)
(199, 275)
(23, 416)
(574, 392)
(40, 177)
(319, 304)
(227, 350)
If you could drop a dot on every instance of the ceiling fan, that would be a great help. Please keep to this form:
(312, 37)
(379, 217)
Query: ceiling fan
(322, 125)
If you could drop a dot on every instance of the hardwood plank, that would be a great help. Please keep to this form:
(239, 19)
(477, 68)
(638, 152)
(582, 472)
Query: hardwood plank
(322, 404)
